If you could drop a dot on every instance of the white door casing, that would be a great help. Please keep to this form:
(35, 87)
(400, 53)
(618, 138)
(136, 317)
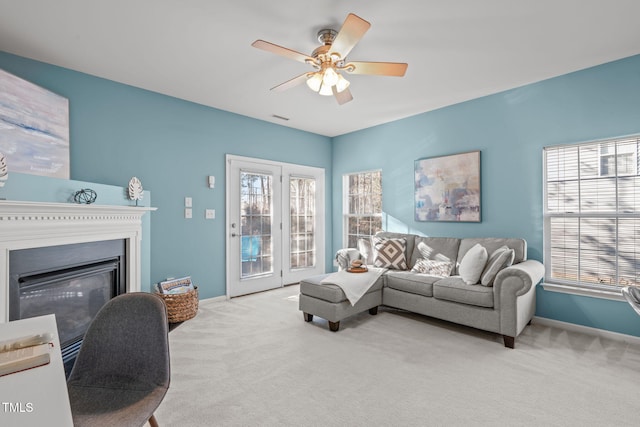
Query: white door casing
(268, 203)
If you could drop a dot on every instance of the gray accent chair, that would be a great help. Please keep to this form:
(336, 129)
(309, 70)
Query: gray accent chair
(122, 371)
(632, 295)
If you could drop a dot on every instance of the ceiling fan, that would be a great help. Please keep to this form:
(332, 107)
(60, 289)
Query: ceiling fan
(330, 59)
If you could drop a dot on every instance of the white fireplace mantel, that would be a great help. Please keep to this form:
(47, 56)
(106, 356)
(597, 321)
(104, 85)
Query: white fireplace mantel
(25, 225)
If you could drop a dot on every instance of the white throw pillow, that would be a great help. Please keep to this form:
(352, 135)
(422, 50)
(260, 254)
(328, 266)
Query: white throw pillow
(472, 264)
(500, 258)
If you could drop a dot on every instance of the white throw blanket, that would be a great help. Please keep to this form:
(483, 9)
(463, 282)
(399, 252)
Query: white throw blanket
(354, 285)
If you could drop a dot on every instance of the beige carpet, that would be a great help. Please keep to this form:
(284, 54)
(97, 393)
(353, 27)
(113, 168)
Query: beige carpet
(253, 361)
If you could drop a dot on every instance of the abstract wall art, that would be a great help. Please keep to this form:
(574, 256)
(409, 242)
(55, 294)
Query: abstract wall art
(34, 128)
(447, 188)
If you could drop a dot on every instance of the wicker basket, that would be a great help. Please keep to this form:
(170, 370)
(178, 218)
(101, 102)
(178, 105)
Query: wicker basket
(181, 307)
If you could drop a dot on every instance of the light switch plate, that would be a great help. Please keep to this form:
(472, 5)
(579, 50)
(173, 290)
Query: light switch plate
(188, 213)
(210, 213)
(188, 202)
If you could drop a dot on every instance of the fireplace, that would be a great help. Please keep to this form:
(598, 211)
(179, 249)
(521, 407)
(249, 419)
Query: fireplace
(71, 281)
(104, 245)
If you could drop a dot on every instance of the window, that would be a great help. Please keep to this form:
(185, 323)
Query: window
(362, 206)
(302, 211)
(255, 219)
(592, 214)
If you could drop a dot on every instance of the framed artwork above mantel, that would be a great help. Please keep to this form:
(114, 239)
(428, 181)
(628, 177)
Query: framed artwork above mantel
(447, 188)
(34, 128)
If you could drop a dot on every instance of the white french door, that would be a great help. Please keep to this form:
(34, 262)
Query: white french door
(303, 222)
(275, 230)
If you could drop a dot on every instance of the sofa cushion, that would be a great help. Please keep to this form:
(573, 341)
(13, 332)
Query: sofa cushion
(473, 264)
(499, 259)
(519, 246)
(433, 267)
(312, 287)
(390, 253)
(455, 289)
(415, 283)
(436, 248)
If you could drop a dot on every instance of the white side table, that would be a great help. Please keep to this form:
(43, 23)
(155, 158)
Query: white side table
(36, 396)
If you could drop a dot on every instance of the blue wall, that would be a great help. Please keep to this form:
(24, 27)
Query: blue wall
(118, 131)
(34, 188)
(510, 128)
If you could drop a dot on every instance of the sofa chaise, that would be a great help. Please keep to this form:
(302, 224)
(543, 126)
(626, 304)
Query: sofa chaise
(485, 283)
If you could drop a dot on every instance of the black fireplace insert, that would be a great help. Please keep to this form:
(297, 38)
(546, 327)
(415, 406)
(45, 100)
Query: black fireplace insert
(71, 281)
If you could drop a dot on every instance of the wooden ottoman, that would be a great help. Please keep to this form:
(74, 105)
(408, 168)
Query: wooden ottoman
(330, 302)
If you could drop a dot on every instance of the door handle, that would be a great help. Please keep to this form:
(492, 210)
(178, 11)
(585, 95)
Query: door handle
(234, 235)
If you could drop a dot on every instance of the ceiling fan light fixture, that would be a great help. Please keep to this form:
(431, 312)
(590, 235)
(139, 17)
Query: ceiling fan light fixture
(315, 81)
(342, 83)
(330, 59)
(330, 77)
(325, 90)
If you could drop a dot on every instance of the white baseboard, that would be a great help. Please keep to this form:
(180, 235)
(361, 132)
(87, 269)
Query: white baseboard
(216, 299)
(586, 330)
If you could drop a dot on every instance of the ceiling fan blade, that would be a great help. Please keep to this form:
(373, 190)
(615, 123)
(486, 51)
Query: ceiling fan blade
(290, 83)
(342, 97)
(283, 51)
(349, 35)
(396, 69)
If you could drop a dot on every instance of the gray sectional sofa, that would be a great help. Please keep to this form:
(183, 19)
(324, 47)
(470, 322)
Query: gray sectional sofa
(504, 303)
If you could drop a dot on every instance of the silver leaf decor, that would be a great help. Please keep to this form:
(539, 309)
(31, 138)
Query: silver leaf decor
(135, 189)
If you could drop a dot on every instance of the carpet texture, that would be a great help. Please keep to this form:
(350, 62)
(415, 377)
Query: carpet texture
(253, 361)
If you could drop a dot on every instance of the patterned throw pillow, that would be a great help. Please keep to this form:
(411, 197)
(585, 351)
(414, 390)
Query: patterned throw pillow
(390, 253)
(499, 259)
(433, 267)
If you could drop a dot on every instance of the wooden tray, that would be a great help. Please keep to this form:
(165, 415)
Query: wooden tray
(357, 269)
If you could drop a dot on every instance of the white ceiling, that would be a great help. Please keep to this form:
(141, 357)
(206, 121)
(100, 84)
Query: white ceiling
(200, 50)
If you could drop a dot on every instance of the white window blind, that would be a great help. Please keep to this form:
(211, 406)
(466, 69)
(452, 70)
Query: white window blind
(592, 214)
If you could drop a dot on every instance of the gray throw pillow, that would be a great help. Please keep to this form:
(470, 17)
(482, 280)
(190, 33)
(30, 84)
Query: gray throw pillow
(472, 264)
(500, 258)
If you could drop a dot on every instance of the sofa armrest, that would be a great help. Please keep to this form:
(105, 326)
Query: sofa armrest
(515, 296)
(345, 256)
(526, 274)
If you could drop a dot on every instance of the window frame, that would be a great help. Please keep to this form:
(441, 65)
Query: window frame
(581, 216)
(346, 215)
(307, 233)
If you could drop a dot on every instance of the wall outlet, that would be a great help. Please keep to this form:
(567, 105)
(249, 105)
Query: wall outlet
(188, 213)
(210, 213)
